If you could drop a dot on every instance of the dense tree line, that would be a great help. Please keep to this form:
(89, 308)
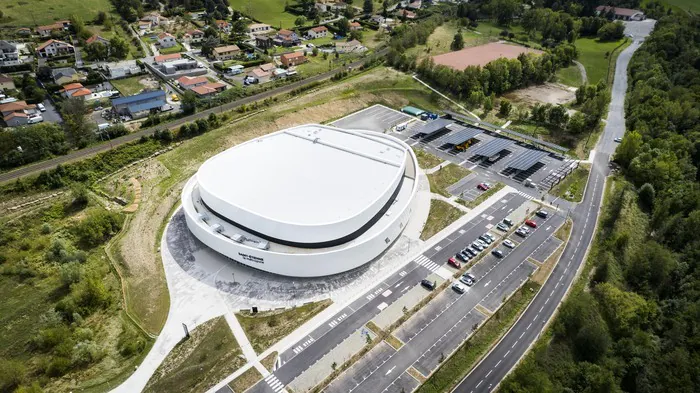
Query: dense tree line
(636, 328)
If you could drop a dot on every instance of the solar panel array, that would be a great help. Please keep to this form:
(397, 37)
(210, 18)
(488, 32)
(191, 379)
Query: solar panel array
(506, 131)
(526, 159)
(493, 147)
(434, 126)
(461, 136)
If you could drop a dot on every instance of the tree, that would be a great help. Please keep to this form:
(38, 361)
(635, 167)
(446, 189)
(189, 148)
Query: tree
(79, 130)
(457, 41)
(505, 108)
(628, 148)
(611, 31)
(96, 51)
(189, 102)
(118, 47)
(558, 116)
(300, 21)
(577, 123)
(504, 10)
(647, 194)
(208, 45)
(238, 30)
(343, 27)
(368, 7)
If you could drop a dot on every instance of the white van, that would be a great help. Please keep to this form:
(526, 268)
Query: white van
(35, 119)
(234, 70)
(102, 127)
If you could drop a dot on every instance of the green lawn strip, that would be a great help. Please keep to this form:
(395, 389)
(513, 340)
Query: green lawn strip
(563, 232)
(594, 55)
(573, 185)
(570, 76)
(468, 355)
(128, 86)
(426, 160)
(445, 177)
(267, 11)
(246, 380)
(441, 215)
(173, 49)
(483, 196)
(685, 5)
(197, 363)
(31, 13)
(268, 327)
(269, 360)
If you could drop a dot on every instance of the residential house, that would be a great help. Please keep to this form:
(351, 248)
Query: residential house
(75, 90)
(188, 82)
(153, 17)
(258, 28)
(144, 25)
(317, 32)
(406, 14)
(53, 48)
(264, 41)
(6, 82)
(166, 58)
(228, 52)
(61, 25)
(166, 40)
(379, 19)
(354, 26)
(625, 14)
(224, 26)
(16, 113)
(66, 75)
(258, 75)
(121, 69)
(293, 59)
(330, 5)
(286, 38)
(182, 65)
(139, 105)
(349, 46)
(97, 38)
(415, 5)
(193, 36)
(267, 67)
(9, 55)
(209, 89)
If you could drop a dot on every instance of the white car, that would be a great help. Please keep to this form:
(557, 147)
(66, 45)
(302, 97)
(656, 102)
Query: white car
(508, 243)
(35, 119)
(459, 288)
(618, 139)
(41, 107)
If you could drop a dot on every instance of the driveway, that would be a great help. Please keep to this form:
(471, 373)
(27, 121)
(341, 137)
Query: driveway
(51, 114)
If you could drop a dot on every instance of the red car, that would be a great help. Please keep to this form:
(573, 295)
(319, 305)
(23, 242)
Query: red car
(531, 223)
(453, 262)
(483, 186)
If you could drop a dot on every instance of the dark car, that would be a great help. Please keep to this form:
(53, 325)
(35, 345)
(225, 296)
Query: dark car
(497, 253)
(508, 221)
(542, 213)
(428, 284)
(522, 231)
(469, 252)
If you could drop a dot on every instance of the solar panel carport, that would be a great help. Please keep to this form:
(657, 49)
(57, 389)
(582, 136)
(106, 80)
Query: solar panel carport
(526, 159)
(434, 126)
(493, 147)
(462, 135)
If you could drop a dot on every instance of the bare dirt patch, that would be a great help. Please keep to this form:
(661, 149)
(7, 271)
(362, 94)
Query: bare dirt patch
(481, 55)
(548, 93)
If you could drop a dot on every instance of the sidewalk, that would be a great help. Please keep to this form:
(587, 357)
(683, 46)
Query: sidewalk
(244, 343)
(451, 201)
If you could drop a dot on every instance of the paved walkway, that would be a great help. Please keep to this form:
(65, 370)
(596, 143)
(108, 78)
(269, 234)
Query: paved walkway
(451, 201)
(437, 167)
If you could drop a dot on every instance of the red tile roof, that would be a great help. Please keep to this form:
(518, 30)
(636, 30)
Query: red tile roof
(49, 42)
(188, 80)
(71, 86)
(163, 58)
(293, 55)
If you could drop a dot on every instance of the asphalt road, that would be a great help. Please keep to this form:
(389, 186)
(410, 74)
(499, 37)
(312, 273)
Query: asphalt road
(101, 147)
(488, 374)
(311, 348)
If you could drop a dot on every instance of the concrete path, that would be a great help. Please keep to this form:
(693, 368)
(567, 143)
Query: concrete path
(437, 167)
(244, 343)
(451, 201)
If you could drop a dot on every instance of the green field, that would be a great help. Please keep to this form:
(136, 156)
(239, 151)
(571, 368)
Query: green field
(28, 13)
(128, 86)
(439, 42)
(569, 76)
(173, 49)
(685, 5)
(441, 215)
(592, 54)
(267, 11)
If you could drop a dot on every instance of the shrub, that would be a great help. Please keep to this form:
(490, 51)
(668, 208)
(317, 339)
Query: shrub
(12, 374)
(97, 228)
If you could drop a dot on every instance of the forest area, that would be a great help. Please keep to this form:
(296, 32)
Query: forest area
(632, 323)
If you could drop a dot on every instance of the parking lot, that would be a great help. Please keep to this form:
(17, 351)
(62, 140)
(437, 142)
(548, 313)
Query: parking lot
(375, 118)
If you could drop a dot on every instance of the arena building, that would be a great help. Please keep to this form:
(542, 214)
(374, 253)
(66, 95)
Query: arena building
(307, 201)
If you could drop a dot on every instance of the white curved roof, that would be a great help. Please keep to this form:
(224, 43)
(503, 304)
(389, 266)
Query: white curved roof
(306, 184)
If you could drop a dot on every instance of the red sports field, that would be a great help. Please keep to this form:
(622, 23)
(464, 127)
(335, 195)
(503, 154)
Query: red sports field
(481, 55)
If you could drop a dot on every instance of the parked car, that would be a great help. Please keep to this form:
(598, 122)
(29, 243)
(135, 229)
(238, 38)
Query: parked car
(473, 250)
(618, 140)
(41, 107)
(490, 236)
(483, 186)
(485, 239)
(462, 256)
(522, 231)
(428, 284)
(482, 243)
(531, 223)
(468, 279)
(502, 227)
(453, 262)
(542, 213)
(174, 97)
(477, 246)
(508, 243)
(469, 251)
(35, 119)
(508, 221)
(497, 253)
(459, 288)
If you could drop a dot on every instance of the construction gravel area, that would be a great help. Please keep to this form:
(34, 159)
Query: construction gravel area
(548, 93)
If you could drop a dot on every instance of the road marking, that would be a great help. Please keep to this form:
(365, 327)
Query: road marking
(382, 306)
(390, 370)
(387, 293)
(487, 284)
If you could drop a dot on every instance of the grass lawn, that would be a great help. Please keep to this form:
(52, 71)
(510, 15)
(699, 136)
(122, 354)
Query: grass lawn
(173, 49)
(134, 51)
(570, 76)
(267, 11)
(441, 215)
(685, 5)
(315, 65)
(461, 362)
(244, 381)
(426, 160)
(266, 328)
(29, 13)
(572, 187)
(196, 364)
(439, 42)
(594, 54)
(128, 86)
(445, 177)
